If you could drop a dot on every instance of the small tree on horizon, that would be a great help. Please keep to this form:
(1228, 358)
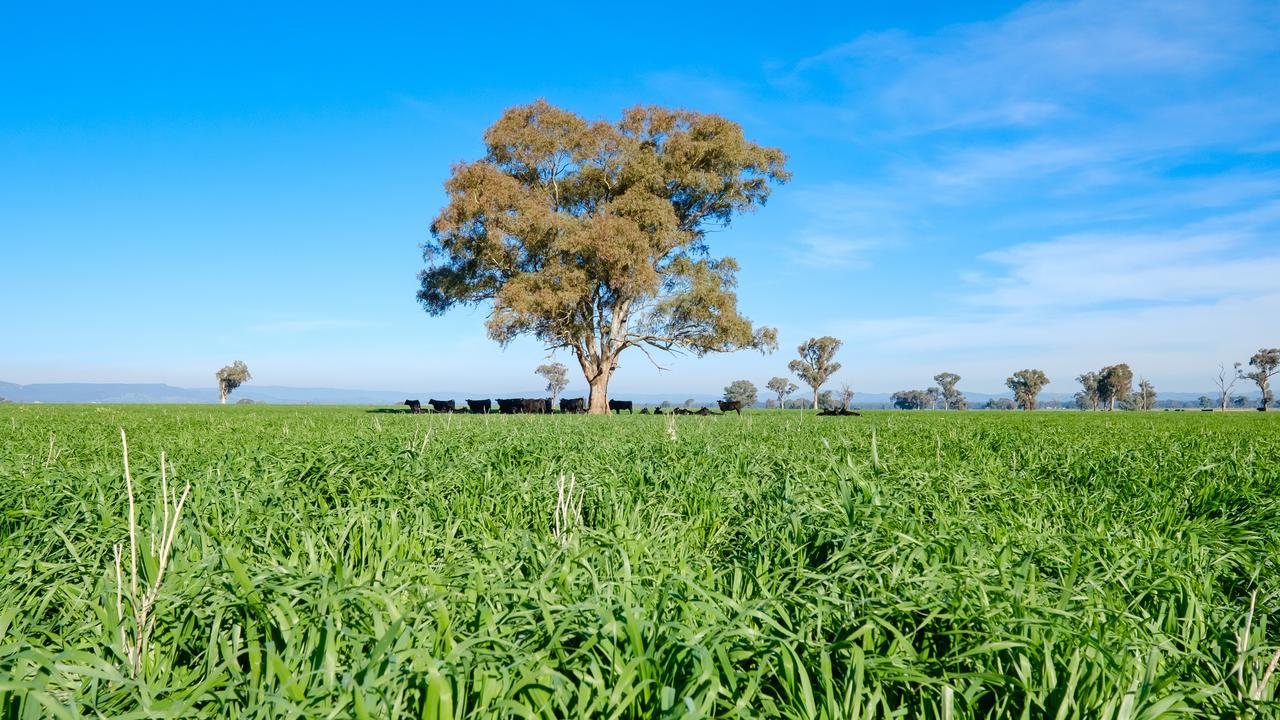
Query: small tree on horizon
(952, 399)
(1026, 386)
(1088, 398)
(846, 395)
(1267, 364)
(743, 391)
(1225, 382)
(782, 387)
(1115, 384)
(231, 377)
(557, 377)
(817, 363)
(1146, 396)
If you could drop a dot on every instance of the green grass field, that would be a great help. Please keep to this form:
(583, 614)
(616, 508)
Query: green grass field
(333, 562)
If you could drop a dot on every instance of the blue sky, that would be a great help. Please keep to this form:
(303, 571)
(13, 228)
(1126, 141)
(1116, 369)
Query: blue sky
(979, 187)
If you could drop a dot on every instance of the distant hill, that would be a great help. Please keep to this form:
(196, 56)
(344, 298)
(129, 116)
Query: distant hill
(156, 393)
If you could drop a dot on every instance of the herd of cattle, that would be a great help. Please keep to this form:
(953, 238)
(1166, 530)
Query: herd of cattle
(542, 406)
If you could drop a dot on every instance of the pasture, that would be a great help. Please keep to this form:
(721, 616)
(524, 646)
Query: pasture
(334, 562)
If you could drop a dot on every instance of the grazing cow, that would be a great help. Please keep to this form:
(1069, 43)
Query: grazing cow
(509, 406)
(444, 406)
(573, 405)
(727, 406)
(415, 406)
(658, 411)
(703, 412)
(619, 405)
(839, 412)
(478, 406)
(644, 411)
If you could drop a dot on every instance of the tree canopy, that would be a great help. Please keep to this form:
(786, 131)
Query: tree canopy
(743, 391)
(557, 377)
(816, 364)
(952, 399)
(1026, 386)
(1266, 363)
(591, 236)
(231, 377)
(781, 387)
(1115, 384)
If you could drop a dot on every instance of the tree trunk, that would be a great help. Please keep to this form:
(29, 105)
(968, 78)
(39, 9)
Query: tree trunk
(222, 393)
(815, 398)
(599, 403)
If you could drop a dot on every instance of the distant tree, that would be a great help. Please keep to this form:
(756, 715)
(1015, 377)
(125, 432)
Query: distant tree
(781, 387)
(1089, 398)
(817, 363)
(826, 401)
(245, 401)
(910, 399)
(999, 404)
(1206, 402)
(1026, 385)
(934, 396)
(1266, 364)
(230, 378)
(952, 399)
(688, 403)
(557, 377)
(592, 236)
(1225, 381)
(1115, 384)
(1146, 398)
(846, 395)
(665, 404)
(1239, 401)
(4, 400)
(743, 391)
(770, 403)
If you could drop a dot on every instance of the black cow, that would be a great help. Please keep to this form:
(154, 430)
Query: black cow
(727, 406)
(658, 411)
(535, 406)
(509, 406)
(415, 407)
(573, 405)
(618, 406)
(444, 406)
(839, 412)
(478, 406)
(644, 411)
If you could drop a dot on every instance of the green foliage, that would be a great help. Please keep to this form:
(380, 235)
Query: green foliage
(231, 377)
(1266, 364)
(1115, 385)
(557, 377)
(338, 563)
(816, 364)
(1026, 386)
(743, 391)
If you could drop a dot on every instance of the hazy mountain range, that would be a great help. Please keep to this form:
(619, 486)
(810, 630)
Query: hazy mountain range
(155, 393)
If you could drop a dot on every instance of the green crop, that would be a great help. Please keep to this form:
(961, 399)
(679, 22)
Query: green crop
(335, 562)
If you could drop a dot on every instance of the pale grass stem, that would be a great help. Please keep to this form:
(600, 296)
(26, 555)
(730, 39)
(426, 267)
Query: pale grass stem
(1259, 686)
(135, 641)
(53, 451)
(671, 427)
(568, 511)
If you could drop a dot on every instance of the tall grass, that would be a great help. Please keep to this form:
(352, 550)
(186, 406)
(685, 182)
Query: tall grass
(332, 562)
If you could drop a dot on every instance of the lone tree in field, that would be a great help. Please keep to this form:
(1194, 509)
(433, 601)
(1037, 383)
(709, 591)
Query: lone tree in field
(1225, 381)
(1146, 395)
(1026, 385)
(743, 391)
(817, 363)
(952, 399)
(230, 378)
(781, 387)
(557, 377)
(1267, 364)
(1088, 397)
(591, 236)
(1115, 384)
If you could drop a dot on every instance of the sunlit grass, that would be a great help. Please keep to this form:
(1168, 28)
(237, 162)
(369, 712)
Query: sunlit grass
(333, 562)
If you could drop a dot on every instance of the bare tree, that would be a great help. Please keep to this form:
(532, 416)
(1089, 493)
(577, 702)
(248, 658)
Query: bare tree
(230, 378)
(557, 377)
(781, 387)
(817, 363)
(846, 395)
(1225, 381)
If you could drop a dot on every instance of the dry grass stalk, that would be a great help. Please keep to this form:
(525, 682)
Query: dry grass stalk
(568, 512)
(136, 640)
